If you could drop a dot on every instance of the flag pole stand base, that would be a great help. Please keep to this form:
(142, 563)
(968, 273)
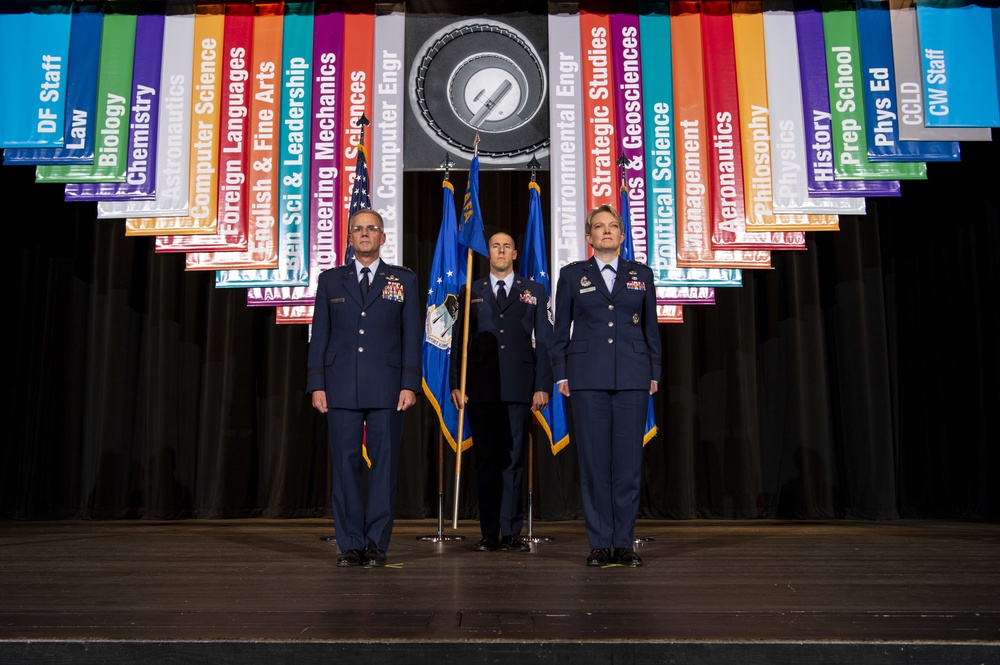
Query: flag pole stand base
(440, 537)
(531, 537)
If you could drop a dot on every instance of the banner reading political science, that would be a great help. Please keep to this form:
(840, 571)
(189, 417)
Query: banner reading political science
(324, 178)
(114, 97)
(174, 130)
(231, 216)
(694, 229)
(908, 67)
(790, 183)
(661, 204)
(140, 159)
(879, 84)
(81, 94)
(958, 52)
(203, 150)
(33, 104)
(755, 129)
(567, 167)
(729, 229)
(847, 108)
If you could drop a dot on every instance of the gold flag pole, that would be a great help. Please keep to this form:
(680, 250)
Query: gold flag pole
(465, 365)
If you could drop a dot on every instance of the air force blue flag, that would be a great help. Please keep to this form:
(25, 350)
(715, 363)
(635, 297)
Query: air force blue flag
(447, 276)
(534, 265)
(470, 233)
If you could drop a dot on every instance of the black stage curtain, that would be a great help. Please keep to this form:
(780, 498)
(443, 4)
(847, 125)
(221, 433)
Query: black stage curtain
(857, 379)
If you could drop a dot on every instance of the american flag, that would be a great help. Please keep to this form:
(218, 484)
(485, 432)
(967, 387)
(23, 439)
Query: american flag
(359, 194)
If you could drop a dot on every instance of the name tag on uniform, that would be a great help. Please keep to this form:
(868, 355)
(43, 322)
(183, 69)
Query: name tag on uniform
(336, 300)
(475, 300)
(588, 289)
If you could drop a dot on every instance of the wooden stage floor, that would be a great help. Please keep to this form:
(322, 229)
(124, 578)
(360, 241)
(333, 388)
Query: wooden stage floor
(710, 592)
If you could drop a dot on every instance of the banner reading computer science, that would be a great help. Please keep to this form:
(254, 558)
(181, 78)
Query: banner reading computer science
(231, 216)
(174, 130)
(878, 79)
(114, 95)
(81, 95)
(33, 104)
(957, 47)
(755, 129)
(909, 82)
(202, 173)
(140, 156)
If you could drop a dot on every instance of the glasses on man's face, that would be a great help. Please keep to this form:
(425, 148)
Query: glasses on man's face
(371, 228)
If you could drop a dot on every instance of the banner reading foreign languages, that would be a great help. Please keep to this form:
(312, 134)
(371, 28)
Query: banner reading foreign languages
(202, 173)
(567, 167)
(755, 129)
(879, 85)
(819, 131)
(694, 247)
(726, 156)
(324, 252)
(661, 207)
(843, 63)
(909, 82)
(81, 95)
(293, 96)
(174, 130)
(231, 216)
(140, 161)
(114, 93)
(37, 38)
(789, 179)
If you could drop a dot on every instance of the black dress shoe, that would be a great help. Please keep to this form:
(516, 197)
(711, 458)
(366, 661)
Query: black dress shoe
(599, 557)
(374, 557)
(627, 557)
(350, 558)
(487, 544)
(514, 544)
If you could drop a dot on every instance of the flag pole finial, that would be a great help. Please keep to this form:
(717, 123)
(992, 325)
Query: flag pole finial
(446, 164)
(622, 165)
(475, 146)
(534, 165)
(363, 122)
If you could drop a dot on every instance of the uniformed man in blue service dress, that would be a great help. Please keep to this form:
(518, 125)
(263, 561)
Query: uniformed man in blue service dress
(364, 372)
(606, 359)
(508, 375)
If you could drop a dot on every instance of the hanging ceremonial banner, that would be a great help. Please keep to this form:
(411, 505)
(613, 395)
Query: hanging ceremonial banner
(140, 162)
(909, 82)
(209, 37)
(34, 50)
(114, 94)
(324, 252)
(174, 129)
(234, 140)
(694, 246)
(292, 166)
(726, 155)
(819, 131)
(600, 141)
(879, 84)
(957, 48)
(755, 129)
(661, 209)
(388, 101)
(567, 164)
(847, 108)
(81, 95)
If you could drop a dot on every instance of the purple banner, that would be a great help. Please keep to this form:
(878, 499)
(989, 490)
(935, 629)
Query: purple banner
(817, 123)
(140, 174)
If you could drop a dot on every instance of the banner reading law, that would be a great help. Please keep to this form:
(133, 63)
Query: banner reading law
(202, 173)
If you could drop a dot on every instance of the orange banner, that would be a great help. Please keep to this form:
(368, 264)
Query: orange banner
(599, 139)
